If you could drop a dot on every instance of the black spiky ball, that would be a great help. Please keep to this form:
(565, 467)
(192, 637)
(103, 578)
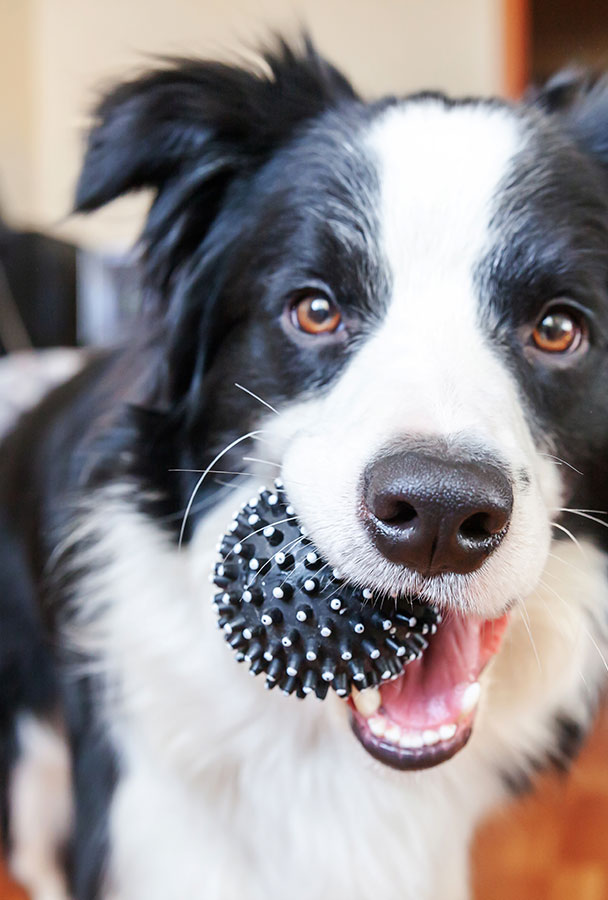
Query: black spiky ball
(293, 617)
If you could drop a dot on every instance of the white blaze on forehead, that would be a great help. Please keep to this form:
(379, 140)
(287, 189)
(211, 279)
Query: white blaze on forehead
(440, 168)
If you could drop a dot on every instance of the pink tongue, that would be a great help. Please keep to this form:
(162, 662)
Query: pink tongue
(429, 693)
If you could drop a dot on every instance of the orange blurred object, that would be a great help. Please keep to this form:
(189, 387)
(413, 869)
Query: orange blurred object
(552, 845)
(516, 47)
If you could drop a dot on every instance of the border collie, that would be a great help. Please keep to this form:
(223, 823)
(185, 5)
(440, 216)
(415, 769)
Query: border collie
(413, 294)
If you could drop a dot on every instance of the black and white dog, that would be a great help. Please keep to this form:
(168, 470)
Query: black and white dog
(417, 292)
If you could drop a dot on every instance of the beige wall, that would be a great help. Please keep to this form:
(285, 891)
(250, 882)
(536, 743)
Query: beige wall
(67, 50)
(16, 107)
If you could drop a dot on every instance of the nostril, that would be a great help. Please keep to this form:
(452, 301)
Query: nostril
(476, 527)
(402, 513)
(483, 525)
(392, 509)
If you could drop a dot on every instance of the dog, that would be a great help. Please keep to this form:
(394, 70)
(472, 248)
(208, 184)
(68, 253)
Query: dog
(399, 307)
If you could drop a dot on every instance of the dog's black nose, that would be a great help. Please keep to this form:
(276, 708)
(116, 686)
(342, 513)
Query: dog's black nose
(435, 514)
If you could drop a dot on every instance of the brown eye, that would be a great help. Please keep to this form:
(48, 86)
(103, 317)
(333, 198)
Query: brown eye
(316, 314)
(560, 330)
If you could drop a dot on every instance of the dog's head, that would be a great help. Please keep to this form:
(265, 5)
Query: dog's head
(418, 287)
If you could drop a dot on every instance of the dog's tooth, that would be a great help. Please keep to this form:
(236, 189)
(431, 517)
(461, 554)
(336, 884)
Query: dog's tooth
(393, 733)
(430, 737)
(411, 740)
(367, 701)
(470, 697)
(377, 725)
(447, 732)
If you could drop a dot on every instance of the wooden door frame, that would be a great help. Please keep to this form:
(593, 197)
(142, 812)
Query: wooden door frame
(517, 25)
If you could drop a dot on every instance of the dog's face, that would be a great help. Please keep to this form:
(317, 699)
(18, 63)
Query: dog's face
(419, 289)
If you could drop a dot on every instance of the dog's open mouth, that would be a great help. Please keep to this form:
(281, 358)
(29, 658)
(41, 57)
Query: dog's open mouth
(410, 675)
(425, 715)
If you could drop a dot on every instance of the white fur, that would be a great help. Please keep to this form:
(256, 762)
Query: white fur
(251, 794)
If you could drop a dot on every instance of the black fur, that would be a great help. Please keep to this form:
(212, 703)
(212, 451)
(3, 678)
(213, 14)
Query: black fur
(552, 242)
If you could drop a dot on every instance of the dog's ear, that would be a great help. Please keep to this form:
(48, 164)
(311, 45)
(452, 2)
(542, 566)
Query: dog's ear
(579, 100)
(204, 116)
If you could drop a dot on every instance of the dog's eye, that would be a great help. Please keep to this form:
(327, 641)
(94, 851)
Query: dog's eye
(560, 330)
(316, 314)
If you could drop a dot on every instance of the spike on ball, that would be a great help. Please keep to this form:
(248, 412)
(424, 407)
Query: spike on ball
(297, 620)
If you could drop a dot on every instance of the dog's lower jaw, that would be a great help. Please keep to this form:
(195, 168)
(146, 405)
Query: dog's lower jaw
(252, 793)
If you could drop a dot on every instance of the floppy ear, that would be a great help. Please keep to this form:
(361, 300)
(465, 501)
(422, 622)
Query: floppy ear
(187, 129)
(579, 99)
(194, 113)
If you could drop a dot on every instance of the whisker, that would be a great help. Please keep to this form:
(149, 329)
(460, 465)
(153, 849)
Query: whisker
(526, 620)
(200, 481)
(585, 515)
(243, 473)
(557, 624)
(300, 563)
(599, 512)
(223, 483)
(562, 462)
(214, 472)
(282, 490)
(601, 655)
(255, 397)
(257, 531)
(563, 562)
(207, 503)
(289, 545)
(582, 625)
(267, 462)
(570, 535)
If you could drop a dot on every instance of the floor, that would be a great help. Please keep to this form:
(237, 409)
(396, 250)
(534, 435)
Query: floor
(552, 846)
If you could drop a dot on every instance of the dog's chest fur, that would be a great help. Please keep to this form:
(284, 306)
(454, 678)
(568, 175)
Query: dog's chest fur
(250, 794)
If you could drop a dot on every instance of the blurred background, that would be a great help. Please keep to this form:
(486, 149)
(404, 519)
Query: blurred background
(67, 279)
(58, 56)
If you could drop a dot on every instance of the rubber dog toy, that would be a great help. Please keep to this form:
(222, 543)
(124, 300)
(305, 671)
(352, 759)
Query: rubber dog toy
(293, 617)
